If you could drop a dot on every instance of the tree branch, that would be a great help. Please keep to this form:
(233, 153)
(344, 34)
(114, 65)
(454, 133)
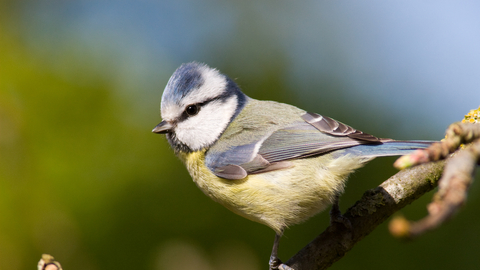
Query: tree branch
(371, 210)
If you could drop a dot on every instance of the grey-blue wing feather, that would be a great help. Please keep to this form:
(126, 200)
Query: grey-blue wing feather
(388, 148)
(219, 162)
(312, 136)
(302, 140)
(330, 126)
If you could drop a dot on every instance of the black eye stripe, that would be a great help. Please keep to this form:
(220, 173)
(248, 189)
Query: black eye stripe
(223, 97)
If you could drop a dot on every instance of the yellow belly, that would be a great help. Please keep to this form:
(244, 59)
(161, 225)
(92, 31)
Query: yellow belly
(279, 198)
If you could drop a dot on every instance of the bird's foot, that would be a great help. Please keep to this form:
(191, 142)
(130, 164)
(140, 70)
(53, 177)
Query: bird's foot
(336, 218)
(284, 267)
(276, 264)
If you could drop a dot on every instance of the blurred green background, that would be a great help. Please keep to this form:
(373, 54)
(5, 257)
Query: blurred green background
(84, 179)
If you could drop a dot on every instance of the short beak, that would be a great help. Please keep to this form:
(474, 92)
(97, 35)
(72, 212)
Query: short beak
(163, 127)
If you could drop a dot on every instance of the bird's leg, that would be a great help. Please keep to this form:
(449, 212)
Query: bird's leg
(275, 262)
(336, 216)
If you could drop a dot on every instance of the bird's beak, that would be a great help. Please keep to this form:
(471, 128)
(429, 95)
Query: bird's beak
(163, 127)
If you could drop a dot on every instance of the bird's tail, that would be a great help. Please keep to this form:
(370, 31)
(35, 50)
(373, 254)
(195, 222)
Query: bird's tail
(387, 148)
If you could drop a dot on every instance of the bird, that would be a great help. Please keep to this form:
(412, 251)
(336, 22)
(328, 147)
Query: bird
(270, 162)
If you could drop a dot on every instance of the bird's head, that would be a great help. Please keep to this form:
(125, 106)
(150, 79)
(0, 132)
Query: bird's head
(197, 105)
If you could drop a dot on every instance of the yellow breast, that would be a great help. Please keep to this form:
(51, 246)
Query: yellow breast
(279, 198)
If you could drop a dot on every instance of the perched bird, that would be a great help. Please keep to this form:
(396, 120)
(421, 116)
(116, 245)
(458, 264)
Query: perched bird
(270, 162)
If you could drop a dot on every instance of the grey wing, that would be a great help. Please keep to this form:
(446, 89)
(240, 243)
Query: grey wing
(330, 126)
(230, 163)
(317, 135)
(314, 136)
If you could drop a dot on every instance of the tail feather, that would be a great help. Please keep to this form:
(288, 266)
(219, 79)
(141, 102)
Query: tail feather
(387, 148)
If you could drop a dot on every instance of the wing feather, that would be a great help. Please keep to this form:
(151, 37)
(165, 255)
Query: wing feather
(315, 135)
(330, 126)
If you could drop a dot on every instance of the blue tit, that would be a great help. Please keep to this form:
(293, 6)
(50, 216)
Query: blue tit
(269, 162)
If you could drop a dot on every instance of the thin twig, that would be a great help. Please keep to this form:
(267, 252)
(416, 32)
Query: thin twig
(451, 195)
(47, 262)
(456, 135)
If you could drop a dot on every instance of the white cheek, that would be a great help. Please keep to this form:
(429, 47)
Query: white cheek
(206, 127)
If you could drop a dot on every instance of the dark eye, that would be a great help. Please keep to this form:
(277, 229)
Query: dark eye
(192, 110)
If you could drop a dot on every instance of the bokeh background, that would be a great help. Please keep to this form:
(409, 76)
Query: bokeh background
(84, 179)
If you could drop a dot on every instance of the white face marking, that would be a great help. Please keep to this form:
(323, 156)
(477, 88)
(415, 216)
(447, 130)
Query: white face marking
(205, 128)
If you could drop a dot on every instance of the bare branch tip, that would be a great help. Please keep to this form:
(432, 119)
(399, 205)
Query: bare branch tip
(47, 262)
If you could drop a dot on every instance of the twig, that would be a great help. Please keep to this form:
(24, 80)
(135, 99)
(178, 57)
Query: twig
(456, 135)
(47, 262)
(451, 195)
(453, 185)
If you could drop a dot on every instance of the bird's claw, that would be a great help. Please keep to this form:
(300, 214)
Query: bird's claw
(340, 219)
(284, 267)
(276, 264)
(336, 217)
